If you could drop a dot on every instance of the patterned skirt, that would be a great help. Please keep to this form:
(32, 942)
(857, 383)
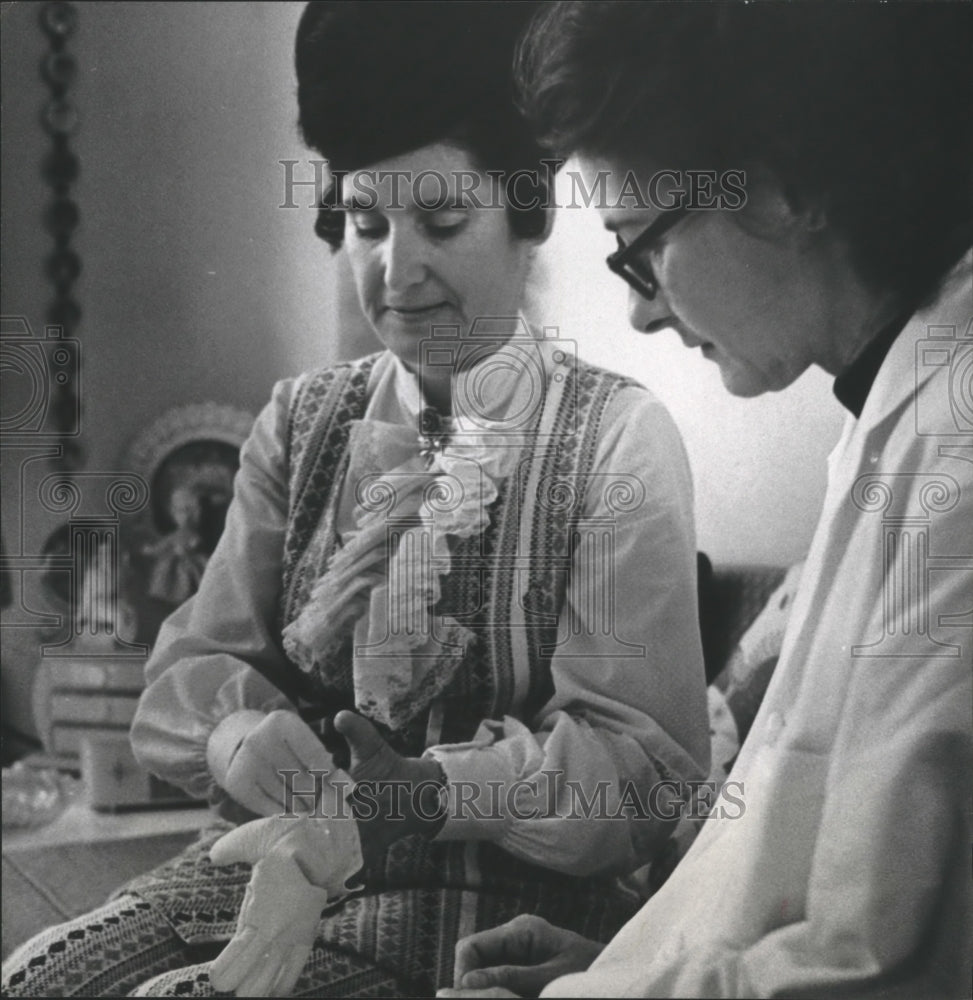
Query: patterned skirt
(404, 927)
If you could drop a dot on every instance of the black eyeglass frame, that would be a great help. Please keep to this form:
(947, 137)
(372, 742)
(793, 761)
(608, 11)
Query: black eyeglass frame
(625, 261)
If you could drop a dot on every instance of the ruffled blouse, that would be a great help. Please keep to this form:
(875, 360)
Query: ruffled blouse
(613, 722)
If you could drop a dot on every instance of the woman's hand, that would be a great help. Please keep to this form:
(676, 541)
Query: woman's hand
(394, 796)
(275, 932)
(280, 742)
(521, 956)
(299, 866)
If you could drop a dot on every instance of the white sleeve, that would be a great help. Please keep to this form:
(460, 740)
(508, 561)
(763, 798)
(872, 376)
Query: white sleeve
(847, 871)
(628, 716)
(219, 653)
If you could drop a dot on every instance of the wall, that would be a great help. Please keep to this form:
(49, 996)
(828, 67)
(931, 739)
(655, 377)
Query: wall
(196, 285)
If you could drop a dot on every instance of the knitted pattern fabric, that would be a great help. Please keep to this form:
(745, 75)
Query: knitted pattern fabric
(108, 952)
(398, 937)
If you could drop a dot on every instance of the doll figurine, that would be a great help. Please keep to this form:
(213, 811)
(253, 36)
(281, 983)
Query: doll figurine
(179, 557)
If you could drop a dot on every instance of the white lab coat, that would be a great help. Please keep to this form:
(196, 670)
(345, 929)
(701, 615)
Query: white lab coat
(849, 872)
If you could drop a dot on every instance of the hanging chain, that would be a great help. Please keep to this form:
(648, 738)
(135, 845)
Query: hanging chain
(61, 167)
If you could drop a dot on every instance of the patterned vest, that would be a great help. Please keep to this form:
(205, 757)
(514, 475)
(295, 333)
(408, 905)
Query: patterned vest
(426, 893)
(507, 585)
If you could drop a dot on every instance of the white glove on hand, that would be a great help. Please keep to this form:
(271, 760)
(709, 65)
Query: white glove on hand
(275, 932)
(300, 865)
(246, 759)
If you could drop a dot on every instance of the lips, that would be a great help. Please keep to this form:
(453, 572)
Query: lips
(415, 310)
(689, 340)
(656, 325)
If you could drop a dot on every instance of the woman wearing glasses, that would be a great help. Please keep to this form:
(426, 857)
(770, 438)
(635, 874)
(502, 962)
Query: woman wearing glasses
(848, 874)
(470, 557)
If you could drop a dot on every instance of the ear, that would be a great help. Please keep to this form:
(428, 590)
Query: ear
(545, 191)
(772, 212)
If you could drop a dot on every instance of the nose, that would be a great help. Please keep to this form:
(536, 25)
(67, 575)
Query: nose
(405, 258)
(643, 312)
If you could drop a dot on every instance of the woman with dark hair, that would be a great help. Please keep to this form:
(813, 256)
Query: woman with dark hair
(848, 872)
(452, 568)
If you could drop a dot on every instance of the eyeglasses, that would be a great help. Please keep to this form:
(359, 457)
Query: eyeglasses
(626, 261)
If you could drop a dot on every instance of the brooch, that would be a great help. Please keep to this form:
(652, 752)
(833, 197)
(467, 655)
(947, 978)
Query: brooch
(432, 434)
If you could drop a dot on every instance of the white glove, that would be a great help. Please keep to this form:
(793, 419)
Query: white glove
(300, 865)
(248, 750)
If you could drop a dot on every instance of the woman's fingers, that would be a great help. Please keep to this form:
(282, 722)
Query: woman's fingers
(511, 943)
(371, 757)
(524, 957)
(522, 980)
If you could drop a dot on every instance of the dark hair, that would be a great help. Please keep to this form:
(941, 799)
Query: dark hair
(377, 79)
(862, 110)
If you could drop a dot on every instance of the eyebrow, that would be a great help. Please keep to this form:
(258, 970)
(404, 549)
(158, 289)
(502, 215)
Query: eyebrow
(452, 204)
(355, 204)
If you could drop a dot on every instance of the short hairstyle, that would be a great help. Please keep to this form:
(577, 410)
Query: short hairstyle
(861, 110)
(378, 79)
